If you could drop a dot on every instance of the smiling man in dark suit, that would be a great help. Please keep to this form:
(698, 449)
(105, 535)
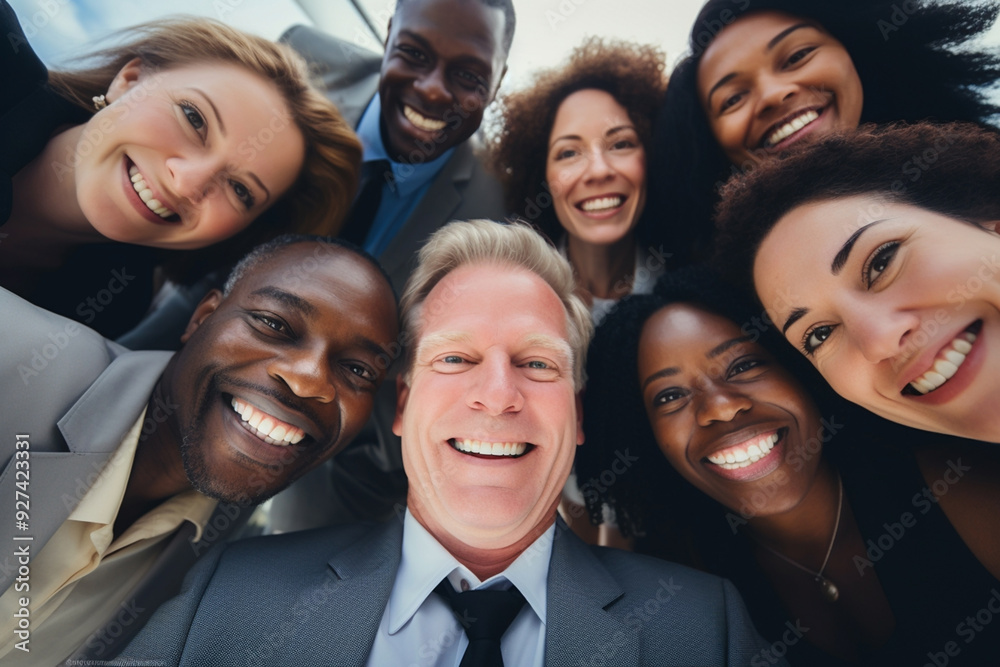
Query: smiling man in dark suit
(415, 108)
(489, 414)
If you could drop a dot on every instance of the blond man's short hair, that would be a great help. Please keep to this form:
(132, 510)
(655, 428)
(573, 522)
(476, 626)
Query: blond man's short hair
(487, 242)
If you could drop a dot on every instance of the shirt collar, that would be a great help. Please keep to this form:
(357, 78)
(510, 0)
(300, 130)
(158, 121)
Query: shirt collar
(102, 501)
(408, 177)
(425, 563)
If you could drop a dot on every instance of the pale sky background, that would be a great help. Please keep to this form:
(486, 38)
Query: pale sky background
(547, 30)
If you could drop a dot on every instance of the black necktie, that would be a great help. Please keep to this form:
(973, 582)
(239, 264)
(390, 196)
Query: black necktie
(359, 221)
(485, 615)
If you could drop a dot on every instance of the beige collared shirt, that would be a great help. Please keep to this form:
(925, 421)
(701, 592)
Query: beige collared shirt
(83, 574)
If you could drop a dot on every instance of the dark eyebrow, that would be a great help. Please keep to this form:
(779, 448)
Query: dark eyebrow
(722, 347)
(416, 38)
(287, 298)
(784, 33)
(770, 45)
(723, 81)
(666, 372)
(714, 352)
(845, 251)
(794, 317)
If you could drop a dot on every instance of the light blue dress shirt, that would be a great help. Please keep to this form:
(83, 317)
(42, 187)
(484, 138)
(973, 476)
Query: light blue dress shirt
(418, 628)
(411, 181)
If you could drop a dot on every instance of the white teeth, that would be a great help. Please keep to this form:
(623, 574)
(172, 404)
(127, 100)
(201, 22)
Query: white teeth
(744, 455)
(422, 122)
(490, 448)
(945, 366)
(146, 195)
(791, 127)
(601, 204)
(267, 428)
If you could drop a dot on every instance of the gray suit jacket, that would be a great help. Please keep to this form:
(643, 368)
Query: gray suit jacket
(366, 480)
(317, 597)
(74, 394)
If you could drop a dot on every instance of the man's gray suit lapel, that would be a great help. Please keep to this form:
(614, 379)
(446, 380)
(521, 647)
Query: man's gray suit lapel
(435, 208)
(366, 573)
(92, 429)
(579, 630)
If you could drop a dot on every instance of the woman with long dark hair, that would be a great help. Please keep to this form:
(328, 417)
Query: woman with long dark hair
(763, 76)
(851, 539)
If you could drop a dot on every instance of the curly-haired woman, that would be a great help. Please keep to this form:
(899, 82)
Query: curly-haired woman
(767, 76)
(571, 153)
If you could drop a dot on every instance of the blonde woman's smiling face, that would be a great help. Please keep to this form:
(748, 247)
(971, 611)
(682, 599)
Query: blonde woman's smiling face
(897, 306)
(186, 157)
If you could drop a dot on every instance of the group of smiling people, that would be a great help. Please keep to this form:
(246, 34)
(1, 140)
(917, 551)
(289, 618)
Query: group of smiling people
(835, 160)
(826, 173)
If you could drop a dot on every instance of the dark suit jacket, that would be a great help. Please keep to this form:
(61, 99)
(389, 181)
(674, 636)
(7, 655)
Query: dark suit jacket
(317, 598)
(366, 480)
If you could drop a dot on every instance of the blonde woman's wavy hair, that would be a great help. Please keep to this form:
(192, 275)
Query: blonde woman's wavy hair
(319, 199)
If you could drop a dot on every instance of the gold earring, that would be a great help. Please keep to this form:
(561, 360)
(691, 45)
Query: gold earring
(99, 102)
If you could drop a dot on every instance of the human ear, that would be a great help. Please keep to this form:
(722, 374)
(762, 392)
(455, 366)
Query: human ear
(208, 305)
(127, 76)
(402, 393)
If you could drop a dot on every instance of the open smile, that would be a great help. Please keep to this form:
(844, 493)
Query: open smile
(490, 450)
(790, 127)
(422, 122)
(946, 364)
(750, 459)
(267, 427)
(606, 203)
(145, 200)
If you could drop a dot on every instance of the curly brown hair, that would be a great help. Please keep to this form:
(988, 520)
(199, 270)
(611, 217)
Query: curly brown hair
(950, 168)
(633, 74)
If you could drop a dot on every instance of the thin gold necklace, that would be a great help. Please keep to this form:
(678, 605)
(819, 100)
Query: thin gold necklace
(828, 588)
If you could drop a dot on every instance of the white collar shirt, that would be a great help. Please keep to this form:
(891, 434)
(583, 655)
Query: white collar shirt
(418, 628)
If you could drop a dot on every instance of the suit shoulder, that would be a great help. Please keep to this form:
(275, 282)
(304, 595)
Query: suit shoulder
(53, 358)
(639, 570)
(308, 546)
(482, 192)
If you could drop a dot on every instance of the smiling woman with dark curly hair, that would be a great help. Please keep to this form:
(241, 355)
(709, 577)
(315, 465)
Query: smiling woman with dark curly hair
(763, 77)
(571, 153)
